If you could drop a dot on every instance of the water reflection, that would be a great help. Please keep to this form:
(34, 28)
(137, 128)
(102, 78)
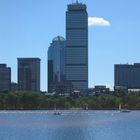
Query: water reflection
(70, 125)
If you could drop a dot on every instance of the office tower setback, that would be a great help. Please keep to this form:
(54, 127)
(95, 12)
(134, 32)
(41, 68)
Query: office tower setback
(56, 63)
(29, 74)
(5, 78)
(126, 75)
(77, 46)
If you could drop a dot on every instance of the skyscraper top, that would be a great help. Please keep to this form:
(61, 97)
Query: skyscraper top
(58, 38)
(2, 65)
(77, 6)
(75, 2)
(35, 58)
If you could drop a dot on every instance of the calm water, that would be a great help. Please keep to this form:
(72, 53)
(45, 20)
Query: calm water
(71, 125)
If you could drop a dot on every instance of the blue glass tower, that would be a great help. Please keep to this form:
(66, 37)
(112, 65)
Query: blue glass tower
(56, 63)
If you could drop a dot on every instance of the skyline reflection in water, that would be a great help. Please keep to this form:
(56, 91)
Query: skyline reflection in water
(70, 125)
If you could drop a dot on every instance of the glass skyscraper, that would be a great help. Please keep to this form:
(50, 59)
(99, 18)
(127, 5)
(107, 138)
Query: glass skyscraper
(77, 45)
(56, 63)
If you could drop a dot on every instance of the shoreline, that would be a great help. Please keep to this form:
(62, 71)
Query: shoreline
(58, 109)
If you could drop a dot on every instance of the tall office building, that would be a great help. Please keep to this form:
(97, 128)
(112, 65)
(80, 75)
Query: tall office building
(77, 45)
(56, 63)
(126, 75)
(29, 74)
(5, 78)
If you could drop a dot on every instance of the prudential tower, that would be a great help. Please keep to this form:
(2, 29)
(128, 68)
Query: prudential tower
(77, 45)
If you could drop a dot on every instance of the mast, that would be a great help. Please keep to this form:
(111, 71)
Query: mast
(120, 106)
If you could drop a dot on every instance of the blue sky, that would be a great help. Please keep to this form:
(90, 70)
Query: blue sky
(27, 28)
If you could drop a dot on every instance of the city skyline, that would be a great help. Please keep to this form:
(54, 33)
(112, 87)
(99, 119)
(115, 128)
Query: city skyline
(27, 28)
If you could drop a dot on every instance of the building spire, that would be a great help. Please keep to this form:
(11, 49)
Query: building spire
(77, 1)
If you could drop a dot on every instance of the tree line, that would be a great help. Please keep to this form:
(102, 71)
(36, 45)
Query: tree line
(33, 101)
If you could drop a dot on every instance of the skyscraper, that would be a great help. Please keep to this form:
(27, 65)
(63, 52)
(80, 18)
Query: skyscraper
(29, 74)
(56, 63)
(77, 45)
(126, 75)
(5, 78)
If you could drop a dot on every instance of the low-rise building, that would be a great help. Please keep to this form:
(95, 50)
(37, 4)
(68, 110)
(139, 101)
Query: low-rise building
(101, 89)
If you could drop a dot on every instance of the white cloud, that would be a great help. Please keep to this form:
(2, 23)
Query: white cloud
(96, 21)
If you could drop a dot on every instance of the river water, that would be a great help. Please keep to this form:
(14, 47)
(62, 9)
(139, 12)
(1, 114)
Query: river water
(70, 125)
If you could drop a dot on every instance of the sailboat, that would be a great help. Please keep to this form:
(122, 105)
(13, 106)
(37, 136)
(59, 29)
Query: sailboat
(56, 112)
(123, 110)
(86, 107)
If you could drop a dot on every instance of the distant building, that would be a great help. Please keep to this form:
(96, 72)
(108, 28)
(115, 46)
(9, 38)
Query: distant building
(5, 78)
(14, 86)
(91, 91)
(101, 89)
(29, 74)
(56, 63)
(77, 46)
(127, 76)
(120, 89)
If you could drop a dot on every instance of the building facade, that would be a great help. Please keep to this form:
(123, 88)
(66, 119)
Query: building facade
(127, 76)
(101, 89)
(76, 65)
(29, 74)
(56, 63)
(5, 78)
(14, 86)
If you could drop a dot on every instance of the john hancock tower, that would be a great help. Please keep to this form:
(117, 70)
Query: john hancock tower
(77, 45)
